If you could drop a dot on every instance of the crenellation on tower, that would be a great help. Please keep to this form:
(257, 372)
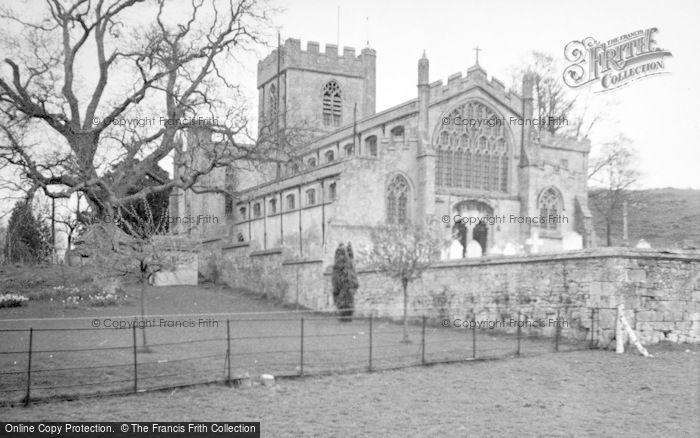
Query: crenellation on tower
(296, 78)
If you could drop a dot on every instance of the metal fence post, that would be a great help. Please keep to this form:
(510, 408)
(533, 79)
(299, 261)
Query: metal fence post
(422, 343)
(556, 333)
(592, 326)
(474, 339)
(301, 358)
(136, 374)
(370, 343)
(228, 351)
(29, 367)
(519, 334)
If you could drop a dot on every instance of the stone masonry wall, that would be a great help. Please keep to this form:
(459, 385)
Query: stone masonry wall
(660, 291)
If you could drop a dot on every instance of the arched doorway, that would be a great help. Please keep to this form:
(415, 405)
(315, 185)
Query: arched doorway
(471, 230)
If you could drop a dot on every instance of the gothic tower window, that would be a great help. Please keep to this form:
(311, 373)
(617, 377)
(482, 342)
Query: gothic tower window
(479, 160)
(332, 104)
(290, 202)
(397, 200)
(229, 185)
(273, 102)
(551, 205)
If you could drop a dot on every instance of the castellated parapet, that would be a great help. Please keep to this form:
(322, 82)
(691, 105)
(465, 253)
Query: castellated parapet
(312, 59)
(456, 83)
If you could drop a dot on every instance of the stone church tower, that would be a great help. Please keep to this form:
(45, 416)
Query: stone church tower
(292, 81)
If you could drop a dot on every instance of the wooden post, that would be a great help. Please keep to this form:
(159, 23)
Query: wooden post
(370, 343)
(228, 350)
(136, 374)
(519, 332)
(422, 343)
(301, 358)
(29, 367)
(619, 337)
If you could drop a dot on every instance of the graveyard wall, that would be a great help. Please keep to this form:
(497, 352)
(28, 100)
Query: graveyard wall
(660, 290)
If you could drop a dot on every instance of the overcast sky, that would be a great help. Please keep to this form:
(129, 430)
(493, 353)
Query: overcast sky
(660, 114)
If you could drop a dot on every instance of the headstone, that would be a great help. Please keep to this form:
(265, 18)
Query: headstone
(572, 241)
(456, 250)
(534, 243)
(643, 244)
(510, 249)
(474, 249)
(267, 379)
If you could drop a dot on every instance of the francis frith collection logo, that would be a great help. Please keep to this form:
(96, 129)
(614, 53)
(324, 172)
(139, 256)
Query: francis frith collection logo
(614, 63)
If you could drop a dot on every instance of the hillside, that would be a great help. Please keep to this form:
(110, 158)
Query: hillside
(663, 217)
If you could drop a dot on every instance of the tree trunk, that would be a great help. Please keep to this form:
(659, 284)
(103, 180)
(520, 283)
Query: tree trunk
(608, 231)
(404, 283)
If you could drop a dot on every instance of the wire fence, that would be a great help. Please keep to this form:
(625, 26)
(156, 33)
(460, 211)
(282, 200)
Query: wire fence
(121, 355)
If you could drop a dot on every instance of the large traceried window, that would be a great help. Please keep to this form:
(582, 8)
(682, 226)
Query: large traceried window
(397, 194)
(332, 104)
(471, 156)
(551, 206)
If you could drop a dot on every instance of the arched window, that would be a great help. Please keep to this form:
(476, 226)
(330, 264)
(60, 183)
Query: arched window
(290, 202)
(310, 197)
(273, 102)
(349, 149)
(229, 186)
(397, 133)
(329, 156)
(273, 206)
(332, 192)
(551, 206)
(256, 210)
(479, 160)
(371, 143)
(242, 213)
(397, 193)
(332, 104)
(311, 162)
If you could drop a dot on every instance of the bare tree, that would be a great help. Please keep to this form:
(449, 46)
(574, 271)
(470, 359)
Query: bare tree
(611, 175)
(140, 246)
(404, 252)
(151, 84)
(554, 101)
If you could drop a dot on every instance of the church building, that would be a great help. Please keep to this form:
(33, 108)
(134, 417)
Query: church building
(465, 155)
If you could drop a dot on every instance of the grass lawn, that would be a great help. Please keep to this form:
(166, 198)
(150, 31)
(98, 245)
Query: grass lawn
(585, 393)
(265, 338)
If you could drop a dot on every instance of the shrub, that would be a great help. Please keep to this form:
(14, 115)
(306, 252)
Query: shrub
(344, 281)
(12, 300)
